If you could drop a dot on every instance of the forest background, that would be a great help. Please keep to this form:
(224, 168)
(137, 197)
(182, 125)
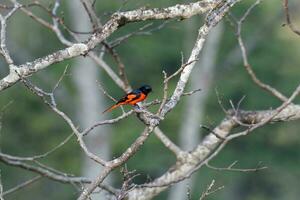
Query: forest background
(29, 128)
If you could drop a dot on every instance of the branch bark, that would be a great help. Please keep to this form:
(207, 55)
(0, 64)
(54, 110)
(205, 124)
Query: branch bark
(117, 20)
(208, 148)
(202, 76)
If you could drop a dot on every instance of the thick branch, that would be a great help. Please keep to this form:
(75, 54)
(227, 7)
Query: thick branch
(190, 162)
(4, 158)
(116, 163)
(211, 20)
(117, 20)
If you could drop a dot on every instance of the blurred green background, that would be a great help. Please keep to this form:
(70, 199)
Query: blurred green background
(30, 128)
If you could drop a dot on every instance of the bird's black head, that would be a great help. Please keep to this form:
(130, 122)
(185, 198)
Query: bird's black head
(146, 89)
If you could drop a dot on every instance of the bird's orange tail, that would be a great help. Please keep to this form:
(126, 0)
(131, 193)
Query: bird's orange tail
(111, 108)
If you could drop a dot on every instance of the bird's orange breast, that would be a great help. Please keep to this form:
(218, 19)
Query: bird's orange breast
(135, 101)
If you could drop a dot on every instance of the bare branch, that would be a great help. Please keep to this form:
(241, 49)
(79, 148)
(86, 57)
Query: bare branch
(4, 51)
(166, 81)
(165, 93)
(39, 92)
(187, 162)
(36, 157)
(22, 185)
(140, 31)
(4, 158)
(109, 71)
(1, 188)
(120, 64)
(110, 121)
(209, 190)
(55, 26)
(231, 168)
(117, 20)
(106, 93)
(116, 163)
(60, 79)
(191, 92)
(127, 185)
(248, 67)
(287, 17)
(212, 145)
(213, 17)
(167, 142)
(274, 115)
(39, 170)
(212, 132)
(95, 20)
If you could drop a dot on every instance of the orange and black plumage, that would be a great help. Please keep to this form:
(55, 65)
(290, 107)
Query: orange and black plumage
(132, 98)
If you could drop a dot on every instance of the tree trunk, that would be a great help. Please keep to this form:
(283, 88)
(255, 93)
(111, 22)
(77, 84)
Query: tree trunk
(90, 100)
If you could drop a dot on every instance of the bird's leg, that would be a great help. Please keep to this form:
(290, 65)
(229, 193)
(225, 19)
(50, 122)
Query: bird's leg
(140, 109)
(136, 107)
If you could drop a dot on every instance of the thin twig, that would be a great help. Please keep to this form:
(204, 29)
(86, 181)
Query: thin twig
(127, 185)
(109, 96)
(180, 70)
(22, 185)
(220, 101)
(268, 119)
(166, 81)
(191, 92)
(42, 94)
(209, 190)
(95, 20)
(60, 79)
(105, 92)
(236, 113)
(231, 168)
(110, 121)
(120, 64)
(165, 93)
(36, 157)
(247, 65)
(141, 31)
(287, 17)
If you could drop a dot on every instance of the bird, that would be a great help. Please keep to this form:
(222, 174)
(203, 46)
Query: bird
(132, 98)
